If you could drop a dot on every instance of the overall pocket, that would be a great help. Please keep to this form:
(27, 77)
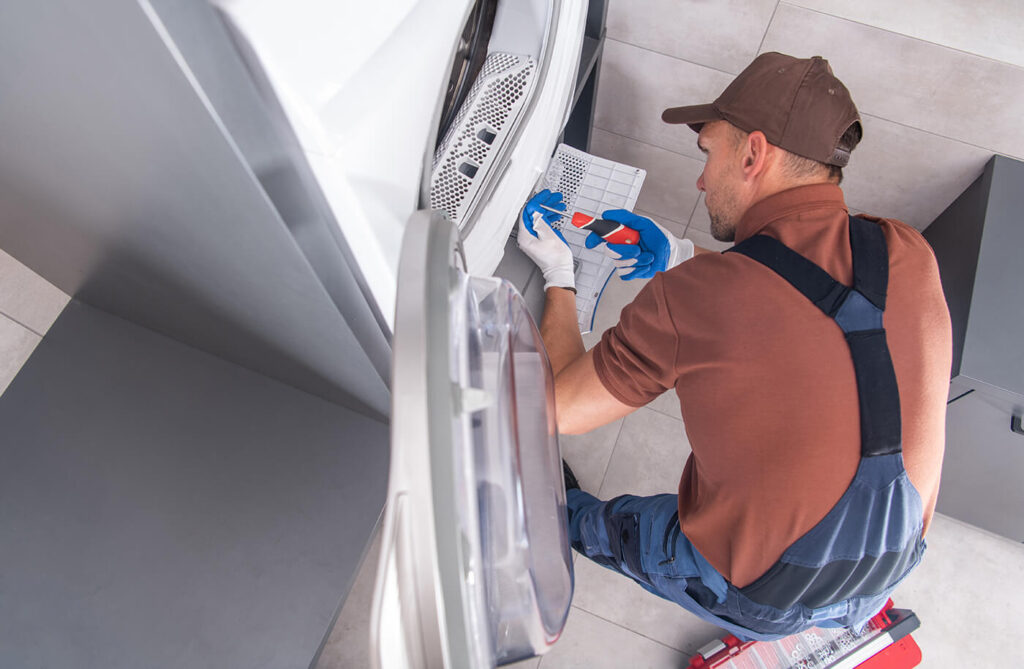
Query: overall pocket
(624, 543)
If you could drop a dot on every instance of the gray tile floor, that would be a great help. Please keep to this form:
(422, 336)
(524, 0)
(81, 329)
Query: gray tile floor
(968, 593)
(916, 156)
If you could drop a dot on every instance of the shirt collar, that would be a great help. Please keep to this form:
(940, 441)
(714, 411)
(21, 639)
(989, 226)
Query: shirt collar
(787, 203)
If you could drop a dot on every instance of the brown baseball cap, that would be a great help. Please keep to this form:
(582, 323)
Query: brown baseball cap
(797, 103)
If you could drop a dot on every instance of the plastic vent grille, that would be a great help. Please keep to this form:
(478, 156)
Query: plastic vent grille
(567, 172)
(591, 185)
(464, 157)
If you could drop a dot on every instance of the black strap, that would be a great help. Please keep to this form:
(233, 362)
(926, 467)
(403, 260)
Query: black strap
(870, 260)
(878, 395)
(816, 284)
(877, 391)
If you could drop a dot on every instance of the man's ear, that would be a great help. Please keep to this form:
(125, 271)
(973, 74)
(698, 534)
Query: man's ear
(755, 154)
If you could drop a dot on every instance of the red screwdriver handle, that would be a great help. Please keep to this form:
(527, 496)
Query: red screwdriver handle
(610, 231)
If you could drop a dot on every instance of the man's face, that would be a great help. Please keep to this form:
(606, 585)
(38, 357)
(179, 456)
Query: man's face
(722, 177)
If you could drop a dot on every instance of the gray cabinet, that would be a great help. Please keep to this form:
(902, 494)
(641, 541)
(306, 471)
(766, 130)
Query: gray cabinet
(984, 465)
(978, 242)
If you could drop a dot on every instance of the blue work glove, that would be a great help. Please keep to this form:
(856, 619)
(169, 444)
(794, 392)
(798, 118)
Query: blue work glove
(536, 204)
(657, 250)
(544, 244)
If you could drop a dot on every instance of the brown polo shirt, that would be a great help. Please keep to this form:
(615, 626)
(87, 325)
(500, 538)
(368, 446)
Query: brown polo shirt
(766, 382)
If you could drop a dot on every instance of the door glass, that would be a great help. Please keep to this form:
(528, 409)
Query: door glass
(509, 441)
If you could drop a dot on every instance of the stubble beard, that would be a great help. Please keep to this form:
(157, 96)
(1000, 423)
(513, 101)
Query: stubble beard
(723, 223)
(721, 230)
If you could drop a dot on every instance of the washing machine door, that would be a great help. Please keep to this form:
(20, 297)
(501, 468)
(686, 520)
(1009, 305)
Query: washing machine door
(475, 567)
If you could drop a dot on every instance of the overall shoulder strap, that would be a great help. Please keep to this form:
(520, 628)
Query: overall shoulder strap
(858, 312)
(816, 284)
(870, 261)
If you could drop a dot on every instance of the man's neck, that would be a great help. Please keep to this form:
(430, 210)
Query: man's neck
(784, 200)
(770, 187)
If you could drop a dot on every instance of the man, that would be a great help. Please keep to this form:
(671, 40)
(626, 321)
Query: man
(811, 362)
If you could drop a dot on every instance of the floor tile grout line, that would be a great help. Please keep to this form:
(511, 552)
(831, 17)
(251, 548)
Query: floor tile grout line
(768, 27)
(661, 217)
(668, 55)
(29, 328)
(693, 212)
(615, 446)
(933, 134)
(689, 222)
(631, 631)
(674, 417)
(640, 141)
(905, 36)
(862, 113)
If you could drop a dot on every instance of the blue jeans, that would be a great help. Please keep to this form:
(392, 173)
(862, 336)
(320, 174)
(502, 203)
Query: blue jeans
(640, 537)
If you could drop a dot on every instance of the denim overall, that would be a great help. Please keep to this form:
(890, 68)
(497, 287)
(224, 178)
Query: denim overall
(842, 571)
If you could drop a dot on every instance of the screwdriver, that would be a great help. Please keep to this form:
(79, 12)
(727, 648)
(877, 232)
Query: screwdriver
(610, 231)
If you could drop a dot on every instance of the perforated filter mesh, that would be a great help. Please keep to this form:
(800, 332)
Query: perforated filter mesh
(566, 173)
(494, 101)
(590, 185)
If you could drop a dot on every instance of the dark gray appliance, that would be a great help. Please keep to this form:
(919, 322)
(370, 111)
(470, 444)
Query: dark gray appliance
(978, 242)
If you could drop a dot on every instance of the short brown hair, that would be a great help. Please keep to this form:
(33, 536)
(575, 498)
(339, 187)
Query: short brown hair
(798, 166)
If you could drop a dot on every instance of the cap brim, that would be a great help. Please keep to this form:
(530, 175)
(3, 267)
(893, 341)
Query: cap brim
(694, 116)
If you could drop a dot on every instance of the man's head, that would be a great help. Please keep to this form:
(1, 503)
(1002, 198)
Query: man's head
(783, 122)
